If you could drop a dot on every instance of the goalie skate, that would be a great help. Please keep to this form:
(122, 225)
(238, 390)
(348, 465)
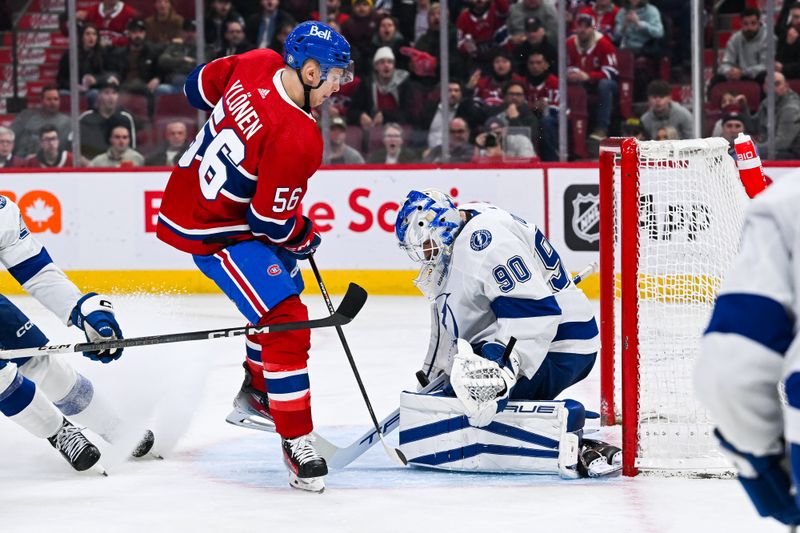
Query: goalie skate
(75, 447)
(307, 469)
(599, 459)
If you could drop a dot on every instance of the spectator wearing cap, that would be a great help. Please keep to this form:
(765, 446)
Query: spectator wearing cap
(393, 152)
(662, 111)
(136, 65)
(525, 9)
(729, 101)
(734, 122)
(234, 42)
(358, 29)
(340, 153)
(50, 153)
(91, 61)
(111, 18)
(385, 97)
(604, 13)
(514, 142)
(261, 28)
(219, 13)
(178, 59)
(592, 62)
(428, 42)
(175, 143)
(387, 34)
(119, 153)
(461, 149)
(7, 157)
(165, 24)
(745, 56)
(535, 41)
(489, 88)
(787, 54)
(28, 124)
(632, 127)
(787, 121)
(97, 123)
(461, 105)
(481, 29)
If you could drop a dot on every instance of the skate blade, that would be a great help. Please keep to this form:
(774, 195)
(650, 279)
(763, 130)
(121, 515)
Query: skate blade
(604, 470)
(247, 419)
(309, 484)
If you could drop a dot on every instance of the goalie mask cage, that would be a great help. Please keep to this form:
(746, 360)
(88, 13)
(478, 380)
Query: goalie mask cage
(671, 215)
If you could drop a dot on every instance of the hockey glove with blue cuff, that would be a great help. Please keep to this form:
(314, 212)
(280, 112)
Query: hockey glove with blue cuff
(483, 382)
(767, 482)
(94, 314)
(306, 243)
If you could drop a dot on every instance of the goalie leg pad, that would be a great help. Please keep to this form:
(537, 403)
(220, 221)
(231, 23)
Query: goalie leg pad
(537, 437)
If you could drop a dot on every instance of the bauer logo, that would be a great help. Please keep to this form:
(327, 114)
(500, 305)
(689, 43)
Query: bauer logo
(480, 240)
(324, 34)
(274, 270)
(582, 217)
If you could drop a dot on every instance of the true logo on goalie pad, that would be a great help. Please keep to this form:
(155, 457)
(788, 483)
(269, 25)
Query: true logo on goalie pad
(480, 240)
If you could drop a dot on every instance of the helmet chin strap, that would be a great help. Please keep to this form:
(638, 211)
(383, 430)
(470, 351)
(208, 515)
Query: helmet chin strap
(307, 91)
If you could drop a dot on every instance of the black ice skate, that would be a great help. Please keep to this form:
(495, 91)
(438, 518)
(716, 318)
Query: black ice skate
(598, 459)
(145, 445)
(75, 448)
(306, 468)
(251, 407)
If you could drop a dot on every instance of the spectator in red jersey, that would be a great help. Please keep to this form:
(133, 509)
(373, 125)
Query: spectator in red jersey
(385, 97)
(111, 17)
(136, 65)
(220, 12)
(50, 155)
(235, 41)
(605, 15)
(358, 29)
(91, 60)
(481, 29)
(525, 9)
(335, 13)
(592, 61)
(535, 41)
(165, 24)
(489, 88)
(261, 28)
(389, 35)
(7, 157)
(542, 86)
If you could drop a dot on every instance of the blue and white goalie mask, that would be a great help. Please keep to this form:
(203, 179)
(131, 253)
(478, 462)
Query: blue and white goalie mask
(426, 226)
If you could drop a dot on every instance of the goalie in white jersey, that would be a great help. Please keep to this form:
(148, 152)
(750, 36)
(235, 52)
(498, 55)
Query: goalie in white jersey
(750, 351)
(492, 276)
(39, 392)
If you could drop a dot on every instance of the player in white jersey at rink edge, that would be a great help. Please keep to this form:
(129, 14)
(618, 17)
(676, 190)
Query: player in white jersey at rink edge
(492, 276)
(39, 392)
(750, 350)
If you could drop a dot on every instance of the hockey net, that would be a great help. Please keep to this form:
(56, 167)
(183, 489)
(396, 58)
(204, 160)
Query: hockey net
(671, 215)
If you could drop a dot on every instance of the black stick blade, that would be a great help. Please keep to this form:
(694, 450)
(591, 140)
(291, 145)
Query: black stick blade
(354, 299)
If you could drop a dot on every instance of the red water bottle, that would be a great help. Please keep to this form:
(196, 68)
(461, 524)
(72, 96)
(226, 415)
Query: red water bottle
(750, 170)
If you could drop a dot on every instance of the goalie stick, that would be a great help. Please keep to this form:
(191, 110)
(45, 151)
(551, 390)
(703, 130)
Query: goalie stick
(351, 304)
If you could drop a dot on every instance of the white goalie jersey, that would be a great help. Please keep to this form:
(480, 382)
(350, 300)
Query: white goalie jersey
(750, 346)
(505, 279)
(30, 264)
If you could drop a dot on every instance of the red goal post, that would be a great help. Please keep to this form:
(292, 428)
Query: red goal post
(670, 217)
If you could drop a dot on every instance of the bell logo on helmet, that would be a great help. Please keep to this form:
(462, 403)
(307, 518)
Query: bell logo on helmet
(324, 34)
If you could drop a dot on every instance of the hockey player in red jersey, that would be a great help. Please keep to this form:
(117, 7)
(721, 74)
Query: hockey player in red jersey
(232, 202)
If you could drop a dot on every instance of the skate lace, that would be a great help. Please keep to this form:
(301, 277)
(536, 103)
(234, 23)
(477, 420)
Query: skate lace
(303, 449)
(71, 441)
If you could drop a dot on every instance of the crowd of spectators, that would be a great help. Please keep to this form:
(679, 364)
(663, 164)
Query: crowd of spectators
(503, 96)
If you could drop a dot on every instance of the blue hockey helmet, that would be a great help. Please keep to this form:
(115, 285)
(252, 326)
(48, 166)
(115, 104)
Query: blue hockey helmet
(320, 42)
(427, 224)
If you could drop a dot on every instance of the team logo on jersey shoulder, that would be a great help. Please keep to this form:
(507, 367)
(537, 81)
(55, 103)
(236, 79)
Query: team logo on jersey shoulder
(3, 201)
(274, 270)
(480, 239)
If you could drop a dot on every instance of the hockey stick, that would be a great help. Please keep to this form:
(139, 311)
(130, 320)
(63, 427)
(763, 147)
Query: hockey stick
(394, 453)
(349, 307)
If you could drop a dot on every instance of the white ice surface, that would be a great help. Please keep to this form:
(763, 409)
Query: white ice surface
(218, 477)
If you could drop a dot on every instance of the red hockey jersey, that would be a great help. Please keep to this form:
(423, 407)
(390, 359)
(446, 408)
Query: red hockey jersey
(599, 59)
(545, 89)
(247, 170)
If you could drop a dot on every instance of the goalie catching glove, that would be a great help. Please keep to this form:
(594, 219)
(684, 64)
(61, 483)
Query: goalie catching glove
(94, 314)
(483, 382)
